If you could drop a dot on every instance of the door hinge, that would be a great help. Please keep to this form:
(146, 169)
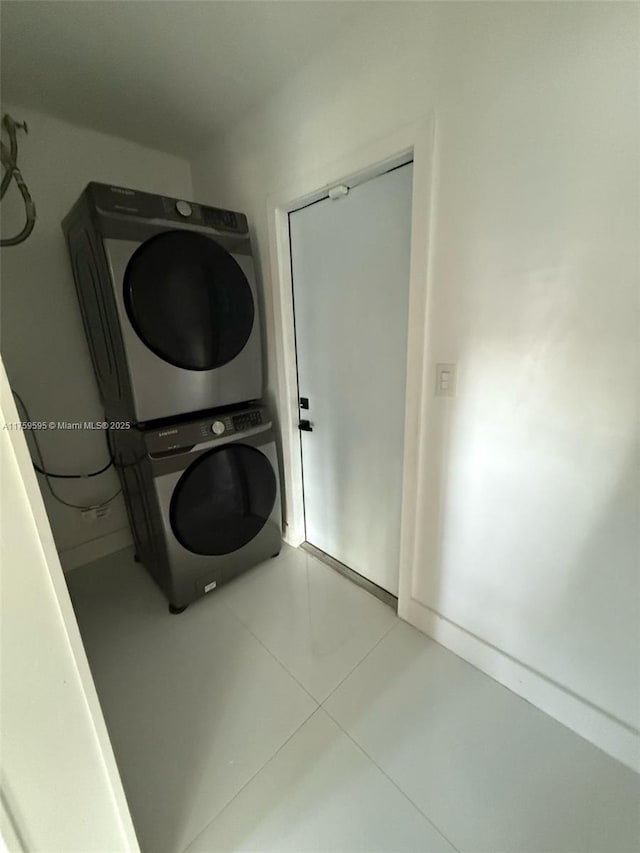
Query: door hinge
(304, 402)
(305, 426)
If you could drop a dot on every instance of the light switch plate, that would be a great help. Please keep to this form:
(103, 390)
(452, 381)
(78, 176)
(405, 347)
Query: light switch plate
(446, 379)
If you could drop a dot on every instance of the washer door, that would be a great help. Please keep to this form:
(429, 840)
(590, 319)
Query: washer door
(188, 300)
(223, 500)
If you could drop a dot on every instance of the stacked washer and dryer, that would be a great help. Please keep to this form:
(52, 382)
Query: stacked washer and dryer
(168, 297)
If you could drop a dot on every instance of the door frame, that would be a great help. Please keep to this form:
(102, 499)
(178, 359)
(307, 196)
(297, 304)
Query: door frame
(47, 579)
(414, 142)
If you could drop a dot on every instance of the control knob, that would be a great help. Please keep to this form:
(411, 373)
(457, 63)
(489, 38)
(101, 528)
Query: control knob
(183, 208)
(217, 427)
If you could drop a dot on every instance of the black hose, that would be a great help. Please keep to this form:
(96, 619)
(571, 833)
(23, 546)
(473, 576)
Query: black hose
(41, 467)
(40, 470)
(74, 476)
(13, 155)
(30, 210)
(9, 157)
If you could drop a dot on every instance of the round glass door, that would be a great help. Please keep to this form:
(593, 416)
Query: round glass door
(223, 500)
(188, 300)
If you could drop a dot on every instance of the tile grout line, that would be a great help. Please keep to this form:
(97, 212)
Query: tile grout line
(286, 668)
(364, 752)
(319, 706)
(267, 649)
(393, 782)
(250, 780)
(232, 612)
(391, 628)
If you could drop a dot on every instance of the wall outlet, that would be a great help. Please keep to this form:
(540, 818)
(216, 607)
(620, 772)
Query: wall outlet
(96, 513)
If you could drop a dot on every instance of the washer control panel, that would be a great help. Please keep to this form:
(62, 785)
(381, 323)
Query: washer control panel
(185, 435)
(217, 426)
(224, 424)
(247, 420)
(133, 203)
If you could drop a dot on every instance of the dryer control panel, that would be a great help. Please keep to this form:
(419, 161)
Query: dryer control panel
(211, 428)
(126, 202)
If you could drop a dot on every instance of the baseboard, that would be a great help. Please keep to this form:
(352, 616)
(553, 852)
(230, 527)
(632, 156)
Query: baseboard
(613, 736)
(92, 550)
(292, 536)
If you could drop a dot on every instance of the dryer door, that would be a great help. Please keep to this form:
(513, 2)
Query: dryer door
(223, 500)
(188, 300)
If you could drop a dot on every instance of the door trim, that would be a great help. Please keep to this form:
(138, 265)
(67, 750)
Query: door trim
(414, 142)
(14, 827)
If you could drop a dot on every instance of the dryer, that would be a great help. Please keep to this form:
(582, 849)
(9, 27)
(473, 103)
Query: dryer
(203, 498)
(168, 297)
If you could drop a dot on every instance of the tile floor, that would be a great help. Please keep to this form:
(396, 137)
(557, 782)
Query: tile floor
(292, 711)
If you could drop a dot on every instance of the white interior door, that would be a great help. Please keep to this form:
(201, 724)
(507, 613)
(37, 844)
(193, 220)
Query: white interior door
(350, 266)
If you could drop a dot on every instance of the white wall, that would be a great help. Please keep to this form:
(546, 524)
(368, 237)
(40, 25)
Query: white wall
(531, 542)
(60, 789)
(43, 341)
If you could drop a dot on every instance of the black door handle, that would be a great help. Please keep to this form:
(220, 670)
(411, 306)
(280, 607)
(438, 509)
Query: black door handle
(305, 426)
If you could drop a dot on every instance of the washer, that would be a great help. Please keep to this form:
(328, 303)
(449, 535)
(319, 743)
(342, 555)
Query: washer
(168, 298)
(203, 498)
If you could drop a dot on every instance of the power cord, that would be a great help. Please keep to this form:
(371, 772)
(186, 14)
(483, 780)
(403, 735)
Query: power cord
(41, 468)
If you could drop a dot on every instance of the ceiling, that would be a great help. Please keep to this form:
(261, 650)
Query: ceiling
(170, 75)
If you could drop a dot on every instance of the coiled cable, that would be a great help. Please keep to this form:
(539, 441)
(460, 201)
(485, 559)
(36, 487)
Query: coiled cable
(9, 158)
